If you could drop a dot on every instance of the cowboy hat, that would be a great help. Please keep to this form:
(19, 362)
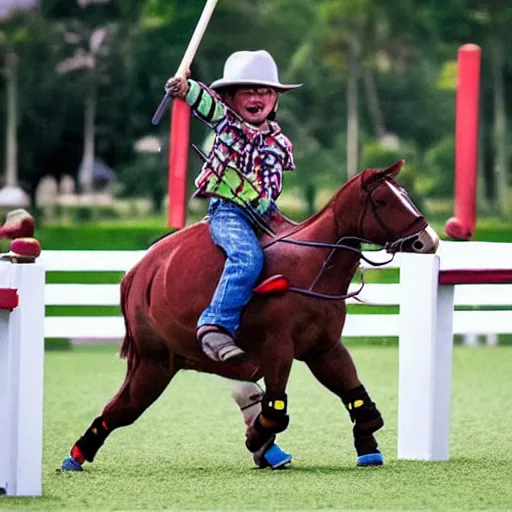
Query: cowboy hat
(252, 68)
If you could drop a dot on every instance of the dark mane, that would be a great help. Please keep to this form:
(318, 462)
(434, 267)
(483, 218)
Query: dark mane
(310, 220)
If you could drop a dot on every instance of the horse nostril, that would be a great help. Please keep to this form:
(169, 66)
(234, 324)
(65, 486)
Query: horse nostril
(418, 245)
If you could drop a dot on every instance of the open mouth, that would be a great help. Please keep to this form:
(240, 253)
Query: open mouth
(254, 110)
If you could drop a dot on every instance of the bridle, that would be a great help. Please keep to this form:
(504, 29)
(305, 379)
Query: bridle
(353, 243)
(412, 230)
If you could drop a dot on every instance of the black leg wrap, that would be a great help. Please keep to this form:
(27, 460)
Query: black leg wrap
(270, 421)
(363, 413)
(274, 407)
(365, 445)
(366, 419)
(93, 439)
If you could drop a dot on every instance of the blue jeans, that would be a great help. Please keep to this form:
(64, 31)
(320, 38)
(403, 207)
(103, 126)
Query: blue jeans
(233, 232)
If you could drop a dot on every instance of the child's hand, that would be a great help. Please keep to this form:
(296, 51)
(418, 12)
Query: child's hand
(177, 86)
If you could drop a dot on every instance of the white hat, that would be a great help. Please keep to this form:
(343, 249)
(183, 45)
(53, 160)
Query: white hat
(251, 68)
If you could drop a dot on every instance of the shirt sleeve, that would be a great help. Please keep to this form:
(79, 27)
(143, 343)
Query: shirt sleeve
(205, 103)
(289, 164)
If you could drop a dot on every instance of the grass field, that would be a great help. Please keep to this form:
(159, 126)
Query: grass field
(187, 451)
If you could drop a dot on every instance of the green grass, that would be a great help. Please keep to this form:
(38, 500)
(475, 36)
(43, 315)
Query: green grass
(187, 452)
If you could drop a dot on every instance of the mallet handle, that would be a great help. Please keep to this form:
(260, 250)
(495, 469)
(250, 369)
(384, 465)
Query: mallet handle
(190, 53)
(197, 36)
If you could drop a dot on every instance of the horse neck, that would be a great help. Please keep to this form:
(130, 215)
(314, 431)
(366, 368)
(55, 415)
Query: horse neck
(338, 219)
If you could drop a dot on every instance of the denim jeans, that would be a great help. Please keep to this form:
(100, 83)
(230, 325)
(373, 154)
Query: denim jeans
(232, 231)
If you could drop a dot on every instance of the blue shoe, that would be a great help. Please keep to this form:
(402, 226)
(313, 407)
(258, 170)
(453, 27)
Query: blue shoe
(277, 458)
(70, 464)
(371, 459)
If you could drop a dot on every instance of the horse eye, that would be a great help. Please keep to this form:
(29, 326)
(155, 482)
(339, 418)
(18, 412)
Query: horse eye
(380, 202)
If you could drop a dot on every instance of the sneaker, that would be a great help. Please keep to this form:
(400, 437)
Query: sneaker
(219, 346)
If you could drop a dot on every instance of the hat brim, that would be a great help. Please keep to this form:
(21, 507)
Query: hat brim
(219, 84)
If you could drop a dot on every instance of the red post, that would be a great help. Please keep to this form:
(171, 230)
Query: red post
(178, 159)
(462, 225)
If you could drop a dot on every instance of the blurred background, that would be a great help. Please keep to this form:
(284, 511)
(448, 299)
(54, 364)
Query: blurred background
(81, 80)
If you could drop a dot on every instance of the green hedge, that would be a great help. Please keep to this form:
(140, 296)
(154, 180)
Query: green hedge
(493, 232)
(98, 237)
(129, 237)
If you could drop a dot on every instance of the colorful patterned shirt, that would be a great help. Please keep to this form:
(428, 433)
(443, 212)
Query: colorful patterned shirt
(244, 164)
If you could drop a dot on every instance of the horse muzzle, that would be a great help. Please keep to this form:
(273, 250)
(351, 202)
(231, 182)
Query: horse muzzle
(424, 242)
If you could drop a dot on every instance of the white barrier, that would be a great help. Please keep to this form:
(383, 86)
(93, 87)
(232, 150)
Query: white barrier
(424, 360)
(21, 377)
(452, 255)
(426, 347)
(425, 326)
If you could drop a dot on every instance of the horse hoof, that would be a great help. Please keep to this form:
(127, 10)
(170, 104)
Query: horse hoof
(371, 459)
(70, 464)
(277, 458)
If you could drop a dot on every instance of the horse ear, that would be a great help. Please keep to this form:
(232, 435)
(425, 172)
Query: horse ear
(372, 175)
(392, 170)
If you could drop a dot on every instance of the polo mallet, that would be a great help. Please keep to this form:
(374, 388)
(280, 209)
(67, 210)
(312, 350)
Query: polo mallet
(190, 53)
(180, 129)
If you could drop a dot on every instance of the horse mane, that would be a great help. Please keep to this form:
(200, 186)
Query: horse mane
(311, 220)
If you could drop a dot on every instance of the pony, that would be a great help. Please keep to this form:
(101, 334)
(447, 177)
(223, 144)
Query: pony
(297, 312)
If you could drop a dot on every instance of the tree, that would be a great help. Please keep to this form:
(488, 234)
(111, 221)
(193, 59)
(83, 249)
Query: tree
(91, 51)
(13, 37)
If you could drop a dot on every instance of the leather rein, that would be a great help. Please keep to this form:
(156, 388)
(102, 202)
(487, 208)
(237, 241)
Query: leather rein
(338, 245)
(350, 243)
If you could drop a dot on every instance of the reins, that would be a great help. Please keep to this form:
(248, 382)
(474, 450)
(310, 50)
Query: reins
(338, 245)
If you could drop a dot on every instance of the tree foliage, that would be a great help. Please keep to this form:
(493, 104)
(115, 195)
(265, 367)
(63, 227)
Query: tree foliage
(405, 52)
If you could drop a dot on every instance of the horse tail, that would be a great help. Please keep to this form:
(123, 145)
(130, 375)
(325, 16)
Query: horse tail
(128, 348)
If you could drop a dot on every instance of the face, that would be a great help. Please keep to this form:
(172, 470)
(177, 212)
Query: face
(253, 104)
(389, 217)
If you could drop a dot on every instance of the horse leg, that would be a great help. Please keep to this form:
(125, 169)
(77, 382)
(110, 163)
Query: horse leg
(335, 369)
(248, 396)
(145, 381)
(276, 360)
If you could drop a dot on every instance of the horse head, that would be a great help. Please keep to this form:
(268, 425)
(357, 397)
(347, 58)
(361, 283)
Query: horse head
(387, 215)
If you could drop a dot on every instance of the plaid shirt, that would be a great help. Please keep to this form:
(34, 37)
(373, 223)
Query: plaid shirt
(260, 157)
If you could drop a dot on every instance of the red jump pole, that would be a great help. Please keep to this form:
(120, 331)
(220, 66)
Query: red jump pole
(462, 225)
(178, 160)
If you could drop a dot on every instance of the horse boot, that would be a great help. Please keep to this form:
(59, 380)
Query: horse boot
(248, 396)
(87, 446)
(367, 420)
(217, 344)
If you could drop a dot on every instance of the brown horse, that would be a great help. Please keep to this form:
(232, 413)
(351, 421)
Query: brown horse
(164, 294)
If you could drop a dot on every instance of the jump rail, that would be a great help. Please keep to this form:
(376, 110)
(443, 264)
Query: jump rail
(453, 255)
(471, 274)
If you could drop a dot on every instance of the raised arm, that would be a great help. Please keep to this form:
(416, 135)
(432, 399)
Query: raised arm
(204, 102)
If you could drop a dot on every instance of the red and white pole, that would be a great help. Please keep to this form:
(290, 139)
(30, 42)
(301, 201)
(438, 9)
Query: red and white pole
(462, 225)
(21, 374)
(178, 163)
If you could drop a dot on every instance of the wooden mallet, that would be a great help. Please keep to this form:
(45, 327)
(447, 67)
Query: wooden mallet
(190, 53)
(180, 129)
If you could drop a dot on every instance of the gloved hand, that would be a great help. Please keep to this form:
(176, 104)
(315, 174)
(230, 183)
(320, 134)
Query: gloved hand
(177, 86)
